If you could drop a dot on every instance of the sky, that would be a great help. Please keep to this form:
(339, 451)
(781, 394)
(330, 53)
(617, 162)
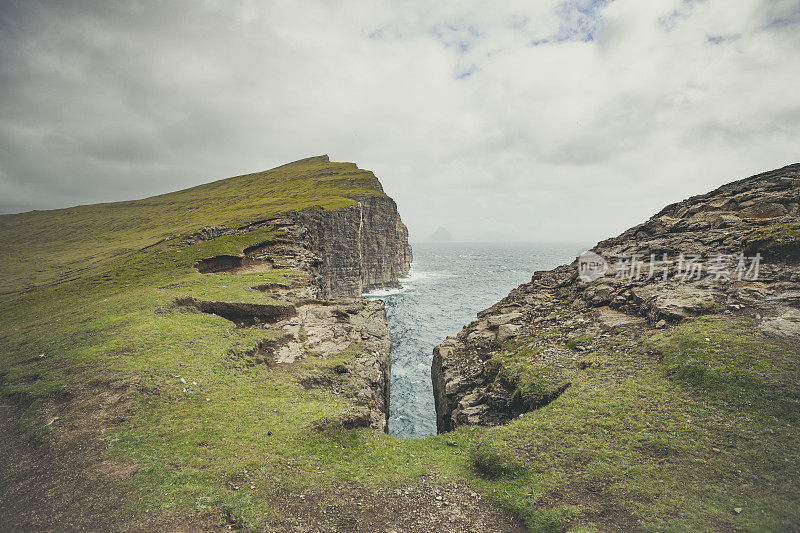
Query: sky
(553, 120)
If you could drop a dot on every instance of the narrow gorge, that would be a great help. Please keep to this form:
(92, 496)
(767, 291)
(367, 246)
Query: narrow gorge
(206, 360)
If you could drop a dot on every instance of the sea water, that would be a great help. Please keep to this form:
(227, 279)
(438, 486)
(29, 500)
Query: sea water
(447, 286)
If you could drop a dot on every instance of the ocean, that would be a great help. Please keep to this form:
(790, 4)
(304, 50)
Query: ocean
(448, 285)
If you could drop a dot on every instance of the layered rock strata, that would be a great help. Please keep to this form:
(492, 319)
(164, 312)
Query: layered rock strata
(337, 255)
(734, 250)
(361, 247)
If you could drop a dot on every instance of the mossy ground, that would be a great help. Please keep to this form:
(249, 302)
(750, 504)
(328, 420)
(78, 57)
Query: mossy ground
(209, 432)
(675, 430)
(638, 428)
(775, 234)
(62, 244)
(670, 431)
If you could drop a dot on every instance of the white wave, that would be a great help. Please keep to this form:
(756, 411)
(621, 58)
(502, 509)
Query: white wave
(383, 293)
(417, 275)
(414, 274)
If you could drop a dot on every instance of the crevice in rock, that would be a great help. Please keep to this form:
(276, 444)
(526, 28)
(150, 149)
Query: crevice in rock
(233, 264)
(220, 263)
(268, 245)
(242, 314)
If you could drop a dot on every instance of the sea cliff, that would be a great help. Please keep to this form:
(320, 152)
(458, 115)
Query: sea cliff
(339, 254)
(695, 257)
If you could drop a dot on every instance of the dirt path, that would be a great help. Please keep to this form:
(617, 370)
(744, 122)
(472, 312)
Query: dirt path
(66, 482)
(423, 506)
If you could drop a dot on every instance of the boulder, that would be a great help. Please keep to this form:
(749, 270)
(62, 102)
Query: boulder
(498, 320)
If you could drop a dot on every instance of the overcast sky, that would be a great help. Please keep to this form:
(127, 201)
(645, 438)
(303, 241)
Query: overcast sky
(519, 120)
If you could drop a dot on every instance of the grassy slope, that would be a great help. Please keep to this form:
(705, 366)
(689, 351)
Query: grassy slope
(635, 433)
(675, 429)
(230, 424)
(62, 244)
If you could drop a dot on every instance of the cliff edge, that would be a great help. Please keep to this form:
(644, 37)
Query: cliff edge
(735, 250)
(211, 335)
(651, 385)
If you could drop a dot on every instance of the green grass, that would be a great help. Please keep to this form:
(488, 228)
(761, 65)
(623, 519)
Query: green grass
(204, 421)
(47, 246)
(639, 426)
(724, 358)
(638, 423)
(93, 305)
(644, 425)
(518, 369)
(775, 234)
(491, 460)
(580, 340)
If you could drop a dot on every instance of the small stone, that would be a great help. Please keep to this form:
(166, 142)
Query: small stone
(269, 433)
(716, 450)
(438, 498)
(452, 443)
(737, 510)
(661, 323)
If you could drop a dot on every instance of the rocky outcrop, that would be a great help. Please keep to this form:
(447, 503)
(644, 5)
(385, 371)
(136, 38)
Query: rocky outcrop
(339, 255)
(734, 250)
(361, 247)
(356, 327)
(347, 251)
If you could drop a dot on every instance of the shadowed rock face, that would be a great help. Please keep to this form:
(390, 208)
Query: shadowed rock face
(756, 215)
(241, 314)
(347, 251)
(341, 254)
(361, 247)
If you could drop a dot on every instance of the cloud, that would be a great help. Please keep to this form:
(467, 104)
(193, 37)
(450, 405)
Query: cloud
(553, 120)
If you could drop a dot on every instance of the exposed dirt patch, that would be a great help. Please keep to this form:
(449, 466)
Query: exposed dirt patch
(422, 506)
(598, 507)
(65, 481)
(265, 352)
(220, 263)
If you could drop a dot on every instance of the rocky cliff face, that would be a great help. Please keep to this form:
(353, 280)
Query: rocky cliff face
(338, 254)
(735, 250)
(347, 252)
(360, 248)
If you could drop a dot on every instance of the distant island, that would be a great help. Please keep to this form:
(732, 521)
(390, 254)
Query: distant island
(440, 235)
